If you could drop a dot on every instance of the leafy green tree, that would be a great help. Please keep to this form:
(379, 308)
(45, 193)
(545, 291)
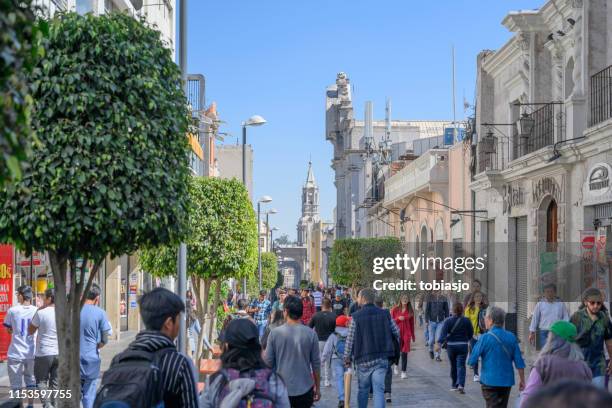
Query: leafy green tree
(221, 242)
(351, 259)
(20, 49)
(269, 274)
(111, 172)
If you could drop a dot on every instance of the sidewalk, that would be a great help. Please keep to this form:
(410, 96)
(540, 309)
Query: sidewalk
(428, 385)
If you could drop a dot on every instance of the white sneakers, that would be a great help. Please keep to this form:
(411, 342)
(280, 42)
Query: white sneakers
(327, 383)
(476, 378)
(404, 375)
(395, 370)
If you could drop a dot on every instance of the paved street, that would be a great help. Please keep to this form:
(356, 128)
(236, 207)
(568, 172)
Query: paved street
(427, 385)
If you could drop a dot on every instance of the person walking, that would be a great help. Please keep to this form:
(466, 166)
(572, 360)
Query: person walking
(244, 378)
(594, 332)
(20, 364)
(170, 376)
(339, 304)
(46, 360)
(560, 359)
(370, 345)
(455, 335)
(499, 351)
(308, 307)
(276, 319)
(436, 311)
(278, 303)
(476, 287)
(547, 311)
(403, 315)
(95, 329)
(334, 351)
(260, 309)
(318, 298)
(475, 312)
(324, 324)
(293, 353)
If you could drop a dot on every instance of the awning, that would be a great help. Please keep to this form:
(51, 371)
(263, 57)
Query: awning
(195, 146)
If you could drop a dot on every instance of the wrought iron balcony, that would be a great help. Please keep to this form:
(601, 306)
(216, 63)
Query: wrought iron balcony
(601, 96)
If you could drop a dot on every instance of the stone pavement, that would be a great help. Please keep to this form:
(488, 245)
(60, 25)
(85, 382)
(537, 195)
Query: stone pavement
(427, 385)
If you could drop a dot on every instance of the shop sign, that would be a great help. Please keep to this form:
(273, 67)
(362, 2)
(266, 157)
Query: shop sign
(596, 188)
(7, 267)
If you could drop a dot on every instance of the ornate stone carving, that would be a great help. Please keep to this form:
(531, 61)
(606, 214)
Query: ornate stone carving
(547, 186)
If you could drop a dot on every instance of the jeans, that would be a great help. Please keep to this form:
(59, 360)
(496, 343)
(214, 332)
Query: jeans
(261, 327)
(426, 334)
(88, 392)
(373, 376)
(496, 397)
(325, 364)
(45, 370)
(457, 354)
(472, 344)
(404, 361)
(434, 331)
(541, 337)
(599, 381)
(388, 379)
(338, 366)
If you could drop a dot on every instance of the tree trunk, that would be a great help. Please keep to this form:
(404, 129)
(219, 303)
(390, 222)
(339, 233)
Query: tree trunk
(68, 304)
(213, 314)
(202, 309)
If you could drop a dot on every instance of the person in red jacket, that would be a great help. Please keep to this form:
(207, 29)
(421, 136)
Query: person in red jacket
(308, 307)
(403, 315)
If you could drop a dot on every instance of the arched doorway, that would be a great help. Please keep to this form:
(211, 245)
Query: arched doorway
(552, 226)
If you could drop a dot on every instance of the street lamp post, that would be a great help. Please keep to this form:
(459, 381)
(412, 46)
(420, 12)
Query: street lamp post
(264, 199)
(272, 211)
(272, 238)
(254, 120)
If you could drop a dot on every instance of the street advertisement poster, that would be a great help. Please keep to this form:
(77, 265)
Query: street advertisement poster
(7, 266)
(601, 263)
(587, 246)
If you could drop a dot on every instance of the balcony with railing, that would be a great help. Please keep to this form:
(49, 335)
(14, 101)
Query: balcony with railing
(504, 143)
(601, 96)
(430, 168)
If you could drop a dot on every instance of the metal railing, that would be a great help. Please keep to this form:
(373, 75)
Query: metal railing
(601, 96)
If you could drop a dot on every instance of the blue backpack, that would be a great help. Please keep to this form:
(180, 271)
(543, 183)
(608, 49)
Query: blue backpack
(340, 344)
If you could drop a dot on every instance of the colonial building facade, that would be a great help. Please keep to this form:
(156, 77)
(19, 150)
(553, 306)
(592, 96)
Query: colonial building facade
(543, 151)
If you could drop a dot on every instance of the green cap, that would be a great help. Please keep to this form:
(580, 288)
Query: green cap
(566, 330)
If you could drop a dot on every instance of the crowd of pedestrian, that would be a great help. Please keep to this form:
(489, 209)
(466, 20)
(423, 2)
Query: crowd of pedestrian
(282, 353)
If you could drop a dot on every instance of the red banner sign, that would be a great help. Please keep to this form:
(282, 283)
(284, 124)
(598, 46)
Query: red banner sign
(7, 267)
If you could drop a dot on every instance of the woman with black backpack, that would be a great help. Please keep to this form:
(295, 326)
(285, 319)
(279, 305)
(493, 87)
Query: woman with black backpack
(244, 379)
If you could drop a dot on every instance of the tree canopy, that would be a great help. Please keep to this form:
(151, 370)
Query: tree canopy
(269, 274)
(20, 50)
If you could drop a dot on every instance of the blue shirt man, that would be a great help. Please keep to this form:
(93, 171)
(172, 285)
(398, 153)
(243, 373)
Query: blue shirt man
(261, 309)
(95, 329)
(499, 350)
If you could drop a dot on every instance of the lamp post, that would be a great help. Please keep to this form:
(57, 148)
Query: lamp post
(272, 238)
(254, 120)
(272, 211)
(264, 199)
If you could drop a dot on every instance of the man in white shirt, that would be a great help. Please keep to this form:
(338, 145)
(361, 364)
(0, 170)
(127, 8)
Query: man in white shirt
(547, 311)
(21, 351)
(46, 357)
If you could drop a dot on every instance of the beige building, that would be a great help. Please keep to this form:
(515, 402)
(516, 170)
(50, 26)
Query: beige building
(228, 163)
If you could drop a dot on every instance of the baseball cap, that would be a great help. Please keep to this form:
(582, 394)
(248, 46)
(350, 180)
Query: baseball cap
(240, 333)
(338, 292)
(566, 330)
(342, 321)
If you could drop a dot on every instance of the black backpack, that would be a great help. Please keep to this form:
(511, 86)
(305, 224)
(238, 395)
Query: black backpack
(134, 380)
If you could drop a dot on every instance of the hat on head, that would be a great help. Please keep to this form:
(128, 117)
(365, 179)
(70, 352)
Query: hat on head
(338, 292)
(566, 330)
(240, 333)
(342, 321)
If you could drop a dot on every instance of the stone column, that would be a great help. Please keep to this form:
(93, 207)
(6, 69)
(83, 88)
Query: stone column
(112, 293)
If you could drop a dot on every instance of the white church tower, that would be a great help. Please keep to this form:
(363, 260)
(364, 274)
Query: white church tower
(310, 208)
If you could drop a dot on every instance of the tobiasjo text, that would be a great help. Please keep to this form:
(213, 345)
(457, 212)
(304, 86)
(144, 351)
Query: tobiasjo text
(403, 262)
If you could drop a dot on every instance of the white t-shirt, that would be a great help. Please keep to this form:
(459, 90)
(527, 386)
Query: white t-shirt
(18, 318)
(46, 344)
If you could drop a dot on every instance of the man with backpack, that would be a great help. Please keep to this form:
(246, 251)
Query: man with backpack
(151, 371)
(334, 350)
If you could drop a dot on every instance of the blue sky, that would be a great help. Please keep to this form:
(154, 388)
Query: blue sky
(276, 57)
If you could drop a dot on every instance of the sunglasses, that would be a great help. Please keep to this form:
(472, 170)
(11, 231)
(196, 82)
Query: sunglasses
(597, 303)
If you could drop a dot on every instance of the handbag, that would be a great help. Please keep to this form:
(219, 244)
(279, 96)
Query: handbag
(445, 342)
(502, 344)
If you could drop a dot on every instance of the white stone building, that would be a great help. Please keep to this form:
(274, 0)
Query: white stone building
(544, 133)
(355, 142)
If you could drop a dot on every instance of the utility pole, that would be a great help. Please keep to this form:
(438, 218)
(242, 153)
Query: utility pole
(182, 252)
